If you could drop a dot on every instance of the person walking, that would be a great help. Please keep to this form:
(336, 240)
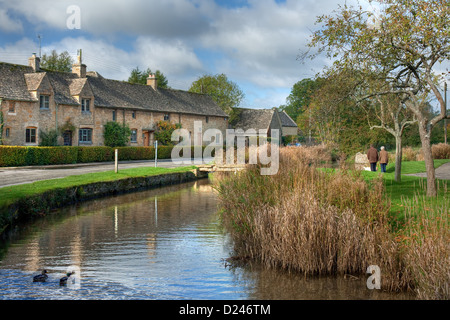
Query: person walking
(384, 159)
(372, 156)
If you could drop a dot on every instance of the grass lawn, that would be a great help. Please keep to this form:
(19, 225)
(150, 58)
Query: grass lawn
(12, 193)
(411, 188)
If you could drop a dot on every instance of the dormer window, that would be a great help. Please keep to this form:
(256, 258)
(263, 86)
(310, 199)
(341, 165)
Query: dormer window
(44, 102)
(85, 105)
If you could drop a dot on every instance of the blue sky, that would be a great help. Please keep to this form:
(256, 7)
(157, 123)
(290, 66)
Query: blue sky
(254, 42)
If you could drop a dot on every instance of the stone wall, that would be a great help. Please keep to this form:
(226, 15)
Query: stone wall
(28, 114)
(39, 205)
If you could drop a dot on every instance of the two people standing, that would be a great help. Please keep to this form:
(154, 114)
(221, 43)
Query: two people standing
(373, 156)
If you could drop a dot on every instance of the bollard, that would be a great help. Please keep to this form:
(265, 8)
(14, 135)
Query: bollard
(116, 160)
(156, 153)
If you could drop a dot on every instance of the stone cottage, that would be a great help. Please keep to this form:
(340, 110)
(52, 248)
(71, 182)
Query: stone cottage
(80, 103)
(266, 120)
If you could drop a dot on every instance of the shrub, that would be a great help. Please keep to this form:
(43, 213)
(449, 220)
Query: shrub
(29, 156)
(409, 154)
(440, 151)
(116, 135)
(49, 138)
(11, 156)
(165, 152)
(164, 130)
(136, 153)
(95, 154)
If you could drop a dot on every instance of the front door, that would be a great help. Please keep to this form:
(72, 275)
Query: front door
(146, 138)
(67, 138)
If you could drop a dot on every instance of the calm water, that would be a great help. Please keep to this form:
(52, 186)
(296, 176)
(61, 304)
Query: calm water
(158, 244)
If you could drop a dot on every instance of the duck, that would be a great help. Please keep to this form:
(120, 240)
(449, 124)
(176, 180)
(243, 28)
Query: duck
(41, 277)
(63, 280)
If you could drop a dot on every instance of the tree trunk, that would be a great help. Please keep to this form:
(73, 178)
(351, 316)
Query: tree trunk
(429, 164)
(398, 158)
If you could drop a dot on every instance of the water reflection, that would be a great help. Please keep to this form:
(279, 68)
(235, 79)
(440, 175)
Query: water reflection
(158, 244)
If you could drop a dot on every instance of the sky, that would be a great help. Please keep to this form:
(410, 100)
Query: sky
(256, 43)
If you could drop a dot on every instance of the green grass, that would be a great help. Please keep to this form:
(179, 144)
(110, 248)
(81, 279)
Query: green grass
(12, 193)
(411, 188)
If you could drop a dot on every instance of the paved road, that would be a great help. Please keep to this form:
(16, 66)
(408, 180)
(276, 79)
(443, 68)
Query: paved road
(443, 172)
(21, 175)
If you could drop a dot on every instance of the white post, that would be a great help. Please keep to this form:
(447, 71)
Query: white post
(156, 153)
(116, 159)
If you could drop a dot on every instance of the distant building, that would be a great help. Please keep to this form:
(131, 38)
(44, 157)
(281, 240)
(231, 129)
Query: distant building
(80, 103)
(266, 119)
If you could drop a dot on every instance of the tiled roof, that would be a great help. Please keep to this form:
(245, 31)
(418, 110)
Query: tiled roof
(16, 81)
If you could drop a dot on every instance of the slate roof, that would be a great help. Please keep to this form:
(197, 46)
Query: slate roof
(254, 119)
(12, 82)
(261, 119)
(286, 120)
(16, 81)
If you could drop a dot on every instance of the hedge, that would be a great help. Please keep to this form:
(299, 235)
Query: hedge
(16, 156)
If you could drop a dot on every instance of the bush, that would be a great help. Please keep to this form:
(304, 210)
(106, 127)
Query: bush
(116, 135)
(49, 139)
(440, 151)
(136, 153)
(15, 156)
(95, 154)
(11, 156)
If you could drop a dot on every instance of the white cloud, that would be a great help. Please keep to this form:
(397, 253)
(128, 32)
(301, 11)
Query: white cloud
(257, 43)
(7, 24)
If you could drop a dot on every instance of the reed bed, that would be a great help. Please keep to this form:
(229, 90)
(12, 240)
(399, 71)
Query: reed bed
(322, 222)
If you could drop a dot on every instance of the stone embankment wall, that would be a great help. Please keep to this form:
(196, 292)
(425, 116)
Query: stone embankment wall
(41, 204)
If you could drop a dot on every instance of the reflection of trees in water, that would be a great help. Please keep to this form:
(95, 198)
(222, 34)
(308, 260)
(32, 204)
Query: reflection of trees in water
(73, 232)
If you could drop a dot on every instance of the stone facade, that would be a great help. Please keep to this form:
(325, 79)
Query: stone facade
(79, 104)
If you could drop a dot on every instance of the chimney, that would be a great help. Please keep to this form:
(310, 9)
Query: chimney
(34, 62)
(79, 68)
(152, 81)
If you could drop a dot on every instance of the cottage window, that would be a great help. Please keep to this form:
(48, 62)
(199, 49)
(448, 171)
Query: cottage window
(166, 117)
(44, 102)
(12, 107)
(133, 114)
(86, 105)
(30, 135)
(133, 137)
(114, 116)
(85, 136)
(7, 132)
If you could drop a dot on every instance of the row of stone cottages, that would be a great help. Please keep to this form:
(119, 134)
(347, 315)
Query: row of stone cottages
(79, 103)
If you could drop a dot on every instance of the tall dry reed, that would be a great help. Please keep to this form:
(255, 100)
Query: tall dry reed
(319, 222)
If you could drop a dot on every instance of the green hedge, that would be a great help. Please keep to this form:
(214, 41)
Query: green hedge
(15, 156)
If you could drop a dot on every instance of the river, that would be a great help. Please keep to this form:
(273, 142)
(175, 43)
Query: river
(159, 244)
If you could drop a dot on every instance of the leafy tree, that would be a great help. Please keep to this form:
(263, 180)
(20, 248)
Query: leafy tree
(163, 132)
(57, 62)
(140, 77)
(223, 91)
(403, 43)
(116, 135)
(300, 96)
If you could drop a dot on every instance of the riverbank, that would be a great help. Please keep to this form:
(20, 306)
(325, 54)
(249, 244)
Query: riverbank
(27, 201)
(338, 222)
